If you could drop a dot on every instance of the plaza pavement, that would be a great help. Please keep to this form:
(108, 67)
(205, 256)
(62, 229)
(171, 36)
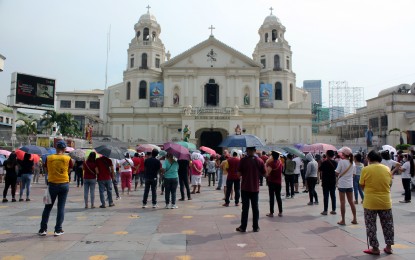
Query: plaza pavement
(198, 229)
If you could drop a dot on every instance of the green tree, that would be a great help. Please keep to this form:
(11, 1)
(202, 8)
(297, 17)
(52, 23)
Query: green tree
(28, 128)
(67, 124)
(49, 118)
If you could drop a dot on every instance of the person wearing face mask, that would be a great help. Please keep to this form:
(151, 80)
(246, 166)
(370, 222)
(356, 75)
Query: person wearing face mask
(407, 171)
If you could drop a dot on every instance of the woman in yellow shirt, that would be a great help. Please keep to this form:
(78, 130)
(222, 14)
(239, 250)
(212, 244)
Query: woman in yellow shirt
(376, 180)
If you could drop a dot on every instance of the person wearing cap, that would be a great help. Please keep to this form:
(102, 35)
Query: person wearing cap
(344, 171)
(58, 166)
(273, 177)
(250, 169)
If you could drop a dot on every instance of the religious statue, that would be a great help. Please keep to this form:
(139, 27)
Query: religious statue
(369, 136)
(238, 130)
(88, 132)
(176, 99)
(236, 110)
(188, 110)
(186, 133)
(246, 99)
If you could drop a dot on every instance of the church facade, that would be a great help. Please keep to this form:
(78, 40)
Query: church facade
(211, 90)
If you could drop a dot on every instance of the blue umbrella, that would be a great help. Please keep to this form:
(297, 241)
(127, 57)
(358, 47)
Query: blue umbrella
(34, 149)
(242, 141)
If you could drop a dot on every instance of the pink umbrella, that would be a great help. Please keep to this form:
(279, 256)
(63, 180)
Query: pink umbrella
(318, 148)
(147, 148)
(5, 153)
(207, 150)
(69, 149)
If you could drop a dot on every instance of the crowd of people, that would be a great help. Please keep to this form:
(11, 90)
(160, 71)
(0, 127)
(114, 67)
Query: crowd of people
(368, 177)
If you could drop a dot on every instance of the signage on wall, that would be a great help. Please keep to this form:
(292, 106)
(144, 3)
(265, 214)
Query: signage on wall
(156, 94)
(265, 96)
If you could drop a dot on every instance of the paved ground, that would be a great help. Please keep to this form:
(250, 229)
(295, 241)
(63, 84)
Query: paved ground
(198, 229)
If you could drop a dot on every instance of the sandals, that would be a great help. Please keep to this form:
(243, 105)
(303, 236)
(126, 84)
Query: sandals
(354, 222)
(388, 251)
(371, 252)
(341, 223)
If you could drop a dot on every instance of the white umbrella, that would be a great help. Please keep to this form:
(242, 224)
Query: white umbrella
(389, 148)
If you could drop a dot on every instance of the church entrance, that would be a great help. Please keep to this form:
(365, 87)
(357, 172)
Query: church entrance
(211, 93)
(211, 139)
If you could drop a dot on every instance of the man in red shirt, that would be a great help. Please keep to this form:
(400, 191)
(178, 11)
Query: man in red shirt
(233, 179)
(137, 162)
(105, 177)
(264, 158)
(250, 169)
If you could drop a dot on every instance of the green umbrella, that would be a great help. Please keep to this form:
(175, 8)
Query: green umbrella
(188, 145)
(294, 151)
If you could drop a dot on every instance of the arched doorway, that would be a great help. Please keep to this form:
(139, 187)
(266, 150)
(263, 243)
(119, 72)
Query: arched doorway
(211, 93)
(211, 139)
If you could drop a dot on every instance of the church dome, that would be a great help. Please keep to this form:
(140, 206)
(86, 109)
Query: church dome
(272, 19)
(148, 17)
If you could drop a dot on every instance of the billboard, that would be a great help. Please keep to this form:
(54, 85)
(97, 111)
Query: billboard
(156, 94)
(265, 96)
(32, 92)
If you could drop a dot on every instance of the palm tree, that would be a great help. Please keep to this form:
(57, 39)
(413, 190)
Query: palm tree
(67, 124)
(49, 118)
(28, 128)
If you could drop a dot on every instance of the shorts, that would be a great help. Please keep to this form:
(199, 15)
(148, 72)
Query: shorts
(196, 180)
(135, 178)
(296, 178)
(224, 177)
(345, 189)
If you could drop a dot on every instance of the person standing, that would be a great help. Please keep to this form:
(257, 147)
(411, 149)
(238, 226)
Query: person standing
(79, 173)
(59, 165)
(407, 171)
(211, 170)
(297, 172)
(344, 171)
(328, 182)
(137, 161)
(26, 167)
(196, 166)
(90, 178)
(264, 157)
(274, 176)
(250, 169)
(289, 176)
(233, 180)
(170, 171)
(376, 181)
(126, 166)
(105, 176)
(152, 167)
(184, 178)
(311, 178)
(10, 166)
(356, 177)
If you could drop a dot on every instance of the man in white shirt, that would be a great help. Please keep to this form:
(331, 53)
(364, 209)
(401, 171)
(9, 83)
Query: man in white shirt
(297, 172)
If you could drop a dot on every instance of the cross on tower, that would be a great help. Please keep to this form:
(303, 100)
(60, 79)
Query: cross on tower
(148, 8)
(271, 9)
(211, 30)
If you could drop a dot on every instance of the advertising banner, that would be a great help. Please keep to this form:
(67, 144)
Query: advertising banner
(43, 141)
(265, 96)
(32, 92)
(156, 94)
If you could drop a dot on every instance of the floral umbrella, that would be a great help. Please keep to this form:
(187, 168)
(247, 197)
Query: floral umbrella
(78, 155)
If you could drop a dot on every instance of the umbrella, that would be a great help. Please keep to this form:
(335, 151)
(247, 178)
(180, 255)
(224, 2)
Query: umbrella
(110, 152)
(20, 155)
(319, 147)
(389, 148)
(69, 149)
(34, 149)
(294, 151)
(187, 145)
(5, 153)
(198, 156)
(147, 148)
(78, 155)
(2, 160)
(207, 150)
(242, 141)
(178, 151)
(131, 152)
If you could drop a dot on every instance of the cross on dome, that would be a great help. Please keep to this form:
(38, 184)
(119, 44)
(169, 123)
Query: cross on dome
(148, 8)
(211, 30)
(271, 9)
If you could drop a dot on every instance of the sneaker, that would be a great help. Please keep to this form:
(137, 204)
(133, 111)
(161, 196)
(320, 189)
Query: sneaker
(225, 205)
(27, 199)
(42, 232)
(5, 200)
(181, 199)
(58, 233)
(102, 206)
(256, 229)
(117, 198)
(324, 213)
(155, 206)
(111, 205)
(21, 199)
(292, 196)
(316, 203)
(167, 206)
(14, 200)
(310, 203)
(173, 206)
(144, 206)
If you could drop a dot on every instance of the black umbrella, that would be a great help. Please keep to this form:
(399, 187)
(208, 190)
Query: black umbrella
(34, 149)
(110, 152)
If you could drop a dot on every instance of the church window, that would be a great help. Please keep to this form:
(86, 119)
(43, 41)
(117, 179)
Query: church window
(277, 65)
(274, 35)
(263, 61)
(146, 34)
(142, 91)
(157, 62)
(132, 62)
(291, 92)
(144, 61)
(211, 93)
(154, 36)
(128, 92)
(266, 37)
(278, 91)
(288, 63)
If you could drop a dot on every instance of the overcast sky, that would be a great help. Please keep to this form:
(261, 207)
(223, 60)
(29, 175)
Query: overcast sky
(369, 43)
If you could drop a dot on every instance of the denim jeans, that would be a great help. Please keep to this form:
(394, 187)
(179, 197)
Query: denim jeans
(220, 179)
(249, 198)
(332, 192)
(356, 188)
(26, 181)
(170, 185)
(237, 189)
(184, 183)
(89, 187)
(59, 191)
(311, 184)
(105, 185)
(289, 184)
(150, 183)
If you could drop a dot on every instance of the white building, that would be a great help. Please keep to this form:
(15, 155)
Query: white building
(211, 88)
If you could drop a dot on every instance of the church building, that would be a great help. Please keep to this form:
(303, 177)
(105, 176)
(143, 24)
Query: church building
(210, 91)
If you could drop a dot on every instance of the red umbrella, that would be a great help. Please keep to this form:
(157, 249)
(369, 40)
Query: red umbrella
(178, 151)
(318, 148)
(207, 150)
(20, 155)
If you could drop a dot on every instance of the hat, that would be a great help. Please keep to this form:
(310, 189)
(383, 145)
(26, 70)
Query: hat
(61, 144)
(345, 150)
(275, 154)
